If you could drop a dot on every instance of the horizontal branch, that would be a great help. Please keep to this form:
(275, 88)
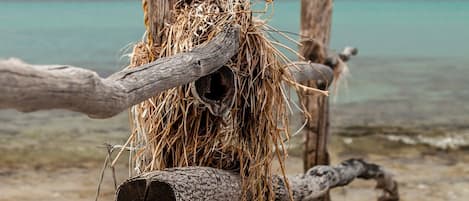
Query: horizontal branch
(347, 53)
(203, 183)
(29, 88)
(334, 59)
(305, 71)
(220, 102)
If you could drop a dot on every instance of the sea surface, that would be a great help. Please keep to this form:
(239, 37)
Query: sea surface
(409, 82)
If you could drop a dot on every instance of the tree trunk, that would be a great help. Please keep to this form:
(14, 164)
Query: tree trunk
(157, 14)
(316, 16)
(315, 31)
(204, 183)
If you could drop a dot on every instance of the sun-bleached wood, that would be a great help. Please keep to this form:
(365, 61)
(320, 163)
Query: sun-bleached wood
(204, 183)
(334, 59)
(217, 91)
(306, 71)
(347, 53)
(29, 88)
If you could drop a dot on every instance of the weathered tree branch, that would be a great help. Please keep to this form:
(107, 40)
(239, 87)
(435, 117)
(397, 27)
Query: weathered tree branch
(217, 90)
(203, 183)
(29, 88)
(321, 74)
(347, 53)
(334, 59)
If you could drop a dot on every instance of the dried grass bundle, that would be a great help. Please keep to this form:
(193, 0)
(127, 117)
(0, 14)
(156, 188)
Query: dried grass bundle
(173, 129)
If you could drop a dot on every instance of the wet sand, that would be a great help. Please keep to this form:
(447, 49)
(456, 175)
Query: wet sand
(58, 156)
(437, 176)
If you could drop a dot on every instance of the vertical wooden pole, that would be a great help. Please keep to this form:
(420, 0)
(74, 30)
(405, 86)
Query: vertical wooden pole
(316, 18)
(157, 14)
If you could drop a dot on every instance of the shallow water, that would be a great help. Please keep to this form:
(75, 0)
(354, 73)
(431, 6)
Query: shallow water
(411, 70)
(408, 86)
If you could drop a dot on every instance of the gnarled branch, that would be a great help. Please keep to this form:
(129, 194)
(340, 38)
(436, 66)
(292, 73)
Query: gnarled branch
(217, 90)
(204, 183)
(29, 88)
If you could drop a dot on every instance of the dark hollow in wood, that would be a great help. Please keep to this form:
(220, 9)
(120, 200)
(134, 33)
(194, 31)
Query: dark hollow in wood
(204, 183)
(216, 91)
(30, 88)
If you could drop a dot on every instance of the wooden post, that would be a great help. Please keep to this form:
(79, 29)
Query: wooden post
(316, 17)
(157, 14)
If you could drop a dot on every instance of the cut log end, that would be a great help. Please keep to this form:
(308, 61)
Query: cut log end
(132, 190)
(137, 190)
(204, 183)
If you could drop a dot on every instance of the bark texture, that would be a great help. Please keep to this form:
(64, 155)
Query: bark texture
(217, 91)
(305, 71)
(316, 19)
(29, 88)
(204, 183)
(159, 14)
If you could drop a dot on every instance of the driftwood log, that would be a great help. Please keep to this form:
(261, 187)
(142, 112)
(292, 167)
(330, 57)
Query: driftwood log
(216, 91)
(29, 88)
(334, 59)
(204, 183)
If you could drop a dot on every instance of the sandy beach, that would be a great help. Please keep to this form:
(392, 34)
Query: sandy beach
(58, 156)
(404, 105)
(432, 176)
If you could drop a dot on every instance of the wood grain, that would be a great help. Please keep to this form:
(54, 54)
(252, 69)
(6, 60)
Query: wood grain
(29, 88)
(205, 183)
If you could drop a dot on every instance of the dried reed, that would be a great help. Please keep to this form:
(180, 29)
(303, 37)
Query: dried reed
(173, 129)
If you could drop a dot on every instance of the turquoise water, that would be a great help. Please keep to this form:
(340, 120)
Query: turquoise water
(412, 67)
(90, 34)
(93, 33)
(385, 28)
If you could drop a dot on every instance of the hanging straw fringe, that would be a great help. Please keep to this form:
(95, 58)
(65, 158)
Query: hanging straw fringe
(173, 129)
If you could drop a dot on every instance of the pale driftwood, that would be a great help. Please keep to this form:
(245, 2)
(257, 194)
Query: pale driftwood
(217, 91)
(29, 88)
(321, 74)
(203, 183)
(334, 59)
(347, 53)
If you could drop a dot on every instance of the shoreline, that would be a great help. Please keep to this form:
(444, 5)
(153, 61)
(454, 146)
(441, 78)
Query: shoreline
(57, 155)
(68, 138)
(423, 174)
